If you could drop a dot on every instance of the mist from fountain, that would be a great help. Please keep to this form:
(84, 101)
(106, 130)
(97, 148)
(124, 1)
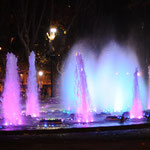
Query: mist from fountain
(136, 110)
(148, 105)
(81, 91)
(11, 94)
(32, 104)
(109, 78)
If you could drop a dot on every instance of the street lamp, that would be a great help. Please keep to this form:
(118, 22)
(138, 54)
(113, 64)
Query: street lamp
(40, 73)
(53, 30)
(139, 74)
(52, 34)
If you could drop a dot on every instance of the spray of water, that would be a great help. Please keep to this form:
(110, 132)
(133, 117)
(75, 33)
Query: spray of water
(32, 104)
(148, 106)
(11, 94)
(81, 91)
(136, 110)
(110, 78)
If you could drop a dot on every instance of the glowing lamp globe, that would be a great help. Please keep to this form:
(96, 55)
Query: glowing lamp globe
(40, 73)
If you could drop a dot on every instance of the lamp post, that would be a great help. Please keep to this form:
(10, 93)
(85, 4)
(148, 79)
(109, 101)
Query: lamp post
(51, 36)
(40, 73)
(52, 33)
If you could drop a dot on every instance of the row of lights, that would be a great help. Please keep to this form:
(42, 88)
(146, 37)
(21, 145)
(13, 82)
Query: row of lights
(127, 73)
(40, 73)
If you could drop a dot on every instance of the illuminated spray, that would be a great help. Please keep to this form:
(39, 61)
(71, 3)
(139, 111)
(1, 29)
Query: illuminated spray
(81, 90)
(136, 110)
(11, 94)
(109, 77)
(32, 104)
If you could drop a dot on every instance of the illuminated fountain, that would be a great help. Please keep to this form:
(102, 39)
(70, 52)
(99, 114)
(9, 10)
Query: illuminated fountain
(109, 79)
(32, 104)
(81, 90)
(148, 106)
(93, 87)
(11, 94)
(136, 110)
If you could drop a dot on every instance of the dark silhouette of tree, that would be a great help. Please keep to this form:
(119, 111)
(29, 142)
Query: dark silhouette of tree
(28, 18)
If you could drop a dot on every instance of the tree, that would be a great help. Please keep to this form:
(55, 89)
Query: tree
(28, 18)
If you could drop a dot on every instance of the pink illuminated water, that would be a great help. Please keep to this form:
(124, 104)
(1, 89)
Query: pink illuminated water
(32, 104)
(81, 89)
(11, 94)
(148, 107)
(136, 110)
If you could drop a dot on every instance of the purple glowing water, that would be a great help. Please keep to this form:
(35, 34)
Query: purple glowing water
(81, 90)
(11, 94)
(136, 110)
(148, 107)
(32, 105)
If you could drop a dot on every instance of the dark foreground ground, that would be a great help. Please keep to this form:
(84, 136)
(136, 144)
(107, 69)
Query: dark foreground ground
(97, 139)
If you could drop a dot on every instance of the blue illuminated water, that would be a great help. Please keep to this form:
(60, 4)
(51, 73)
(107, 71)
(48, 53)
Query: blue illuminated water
(32, 103)
(110, 78)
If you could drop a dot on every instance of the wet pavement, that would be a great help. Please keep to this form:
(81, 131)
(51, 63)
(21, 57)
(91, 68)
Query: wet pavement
(132, 134)
(69, 135)
(135, 139)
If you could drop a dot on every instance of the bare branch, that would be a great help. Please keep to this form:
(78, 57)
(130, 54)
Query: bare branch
(39, 23)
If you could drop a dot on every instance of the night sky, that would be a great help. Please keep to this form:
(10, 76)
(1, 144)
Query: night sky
(97, 21)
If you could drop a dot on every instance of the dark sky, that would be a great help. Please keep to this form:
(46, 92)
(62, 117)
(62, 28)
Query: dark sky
(91, 14)
(94, 16)
(97, 20)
